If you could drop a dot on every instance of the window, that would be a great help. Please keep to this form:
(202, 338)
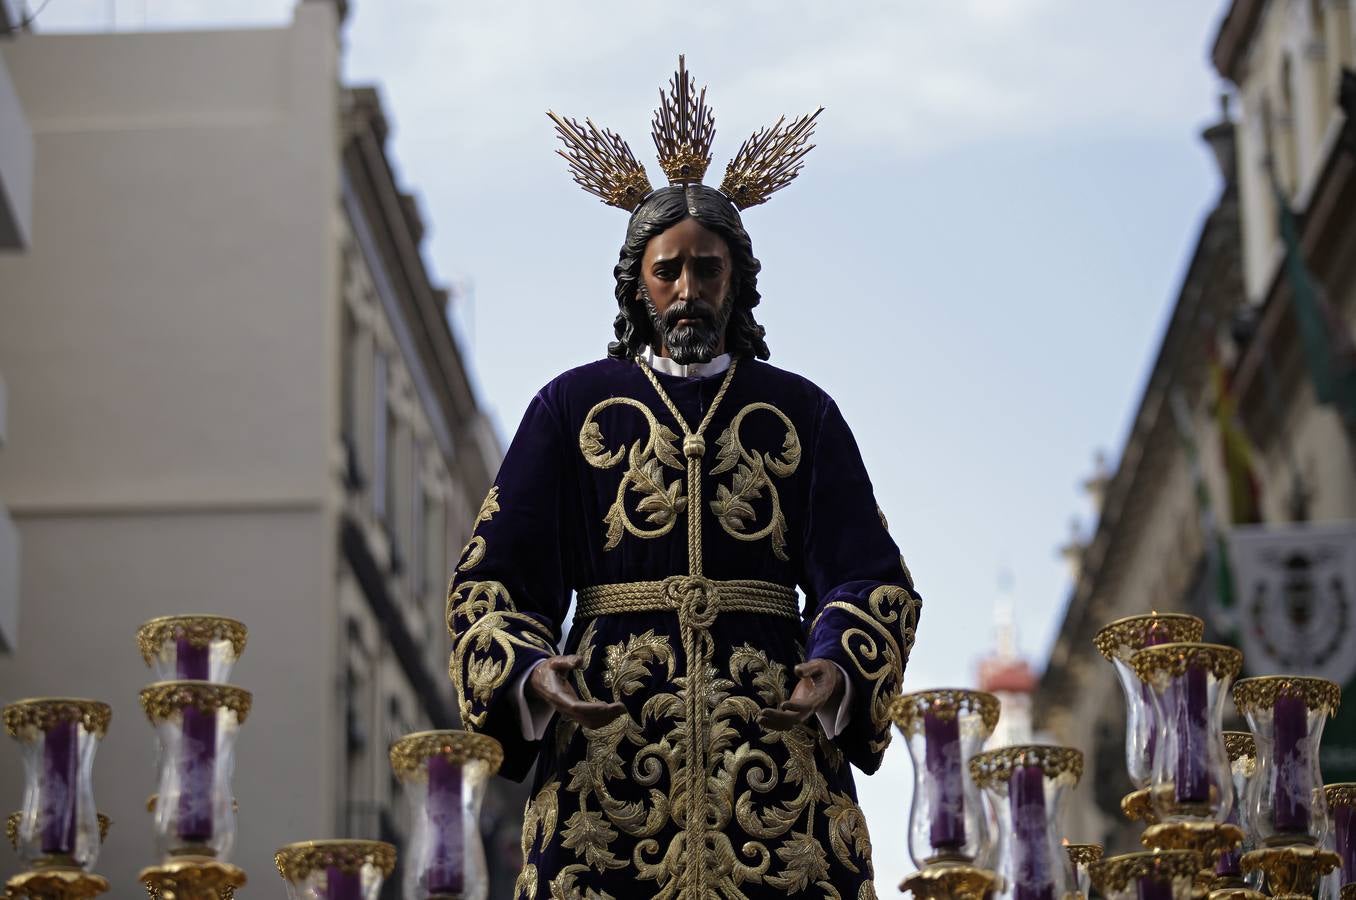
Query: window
(381, 436)
(418, 544)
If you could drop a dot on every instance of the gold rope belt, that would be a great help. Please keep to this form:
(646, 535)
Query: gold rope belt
(699, 598)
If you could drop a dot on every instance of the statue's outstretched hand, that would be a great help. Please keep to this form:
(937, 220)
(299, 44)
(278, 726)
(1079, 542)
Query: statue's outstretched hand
(550, 682)
(821, 686)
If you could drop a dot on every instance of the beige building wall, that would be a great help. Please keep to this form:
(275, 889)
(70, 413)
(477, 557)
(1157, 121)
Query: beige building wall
(170, 343)
(1148, 551)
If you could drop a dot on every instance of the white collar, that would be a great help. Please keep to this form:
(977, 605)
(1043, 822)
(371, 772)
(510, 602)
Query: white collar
(692, 370)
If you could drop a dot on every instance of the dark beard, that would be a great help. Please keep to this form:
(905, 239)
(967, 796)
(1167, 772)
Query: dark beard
(688, 344)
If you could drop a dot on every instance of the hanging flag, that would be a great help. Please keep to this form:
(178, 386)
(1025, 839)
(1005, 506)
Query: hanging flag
(1297, 616)
(1245, 494)
(1328, 349)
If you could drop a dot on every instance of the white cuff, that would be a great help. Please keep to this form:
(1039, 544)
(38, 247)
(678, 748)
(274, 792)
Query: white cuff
(534, 714)
(833, 726)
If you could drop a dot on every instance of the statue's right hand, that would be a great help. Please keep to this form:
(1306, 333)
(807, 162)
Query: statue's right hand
(550, 682)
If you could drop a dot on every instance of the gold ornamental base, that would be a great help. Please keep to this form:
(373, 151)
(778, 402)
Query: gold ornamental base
(1236, 893)
(1291, 871)
(59, 883)
(1209, 839)
(950, 882)
(192, 878)
(1137, 807)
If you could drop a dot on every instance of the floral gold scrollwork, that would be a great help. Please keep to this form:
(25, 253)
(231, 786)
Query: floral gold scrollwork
(1119, 872)
(409, 755)
(1121, 638)
(733, 506)
(739, 779)
(1261, 693)
(1084, 854)
(26, 718)
(487, 632)
(878, 647)
(474, 551)
(995, 767)
(1240, 745)
(199, 631)
(164, 699)
(909, 710)
(296, 862)
(1340, 794)
(1158, 664)
(662, 501)
(539, 824)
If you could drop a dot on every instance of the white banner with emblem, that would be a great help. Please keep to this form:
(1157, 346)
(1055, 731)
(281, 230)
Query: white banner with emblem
(1293, 586)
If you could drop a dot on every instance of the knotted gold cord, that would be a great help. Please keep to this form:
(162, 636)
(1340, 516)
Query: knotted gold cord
(696, 598)
(737, 595)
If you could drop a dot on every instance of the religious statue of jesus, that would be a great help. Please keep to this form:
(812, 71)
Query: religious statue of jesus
(693, 738)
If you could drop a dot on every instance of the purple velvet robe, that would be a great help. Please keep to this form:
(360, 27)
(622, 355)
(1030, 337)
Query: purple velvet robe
(593, 491)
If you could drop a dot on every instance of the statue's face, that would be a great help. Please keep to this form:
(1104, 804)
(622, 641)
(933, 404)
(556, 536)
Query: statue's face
(686, 272)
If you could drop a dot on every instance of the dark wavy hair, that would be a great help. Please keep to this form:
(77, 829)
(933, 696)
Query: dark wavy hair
(660, 211)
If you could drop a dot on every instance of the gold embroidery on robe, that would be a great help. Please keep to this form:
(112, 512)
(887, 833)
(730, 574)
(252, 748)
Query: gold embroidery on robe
(891, 617)
(783, 853)
(474, 551)
(733, 506)
(540, 816)
(479, 618)
(662, 501)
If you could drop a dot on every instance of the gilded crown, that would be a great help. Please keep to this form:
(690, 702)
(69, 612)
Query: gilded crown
(683, 129)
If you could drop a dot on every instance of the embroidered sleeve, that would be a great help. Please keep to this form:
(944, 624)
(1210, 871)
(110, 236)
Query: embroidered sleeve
(865, 606)
(510, 588)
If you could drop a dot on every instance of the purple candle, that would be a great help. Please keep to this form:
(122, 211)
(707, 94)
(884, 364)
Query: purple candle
(60, 774)
(198, 756)
(341, 885)
(1192, 784)
(1031, 855)
(1151, 887)
(190, 662)
(1344, 840)
(945, 789)
(446, 872)
(1290, 724)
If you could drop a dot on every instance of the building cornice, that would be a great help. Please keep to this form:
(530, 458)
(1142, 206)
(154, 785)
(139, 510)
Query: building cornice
(1235, 35)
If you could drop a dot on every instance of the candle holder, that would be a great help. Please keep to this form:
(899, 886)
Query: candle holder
(1157, 875)
(58, 825)
(335, 870)
(1081, 856)
(1027, 784)
(943, 730)
(1119, 642)
(191, 648)
(197, 723)
(444, 774)
(1341, 800)
(1293, 871)
(1229, 876)
(1192, 780)
(192, 878)
(57, 833)
(1285, 804)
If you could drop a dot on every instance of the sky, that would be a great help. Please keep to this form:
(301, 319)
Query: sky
(976, 262)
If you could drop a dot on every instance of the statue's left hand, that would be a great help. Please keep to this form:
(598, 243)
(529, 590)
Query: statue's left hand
(821, 686)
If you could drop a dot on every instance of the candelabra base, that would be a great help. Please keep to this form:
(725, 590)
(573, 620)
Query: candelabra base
(1291, 871)
(1236, 893)
(58, 883)
(192, 878)
(1209, 839)
(949, 882)
(1137, 807)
